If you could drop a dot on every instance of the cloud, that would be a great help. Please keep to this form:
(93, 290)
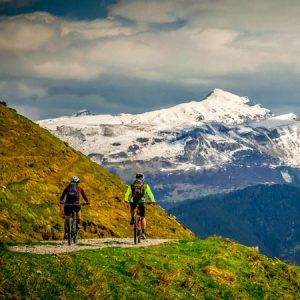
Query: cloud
(56, 48)
(253, 15)
(25, 33)
(193, 45)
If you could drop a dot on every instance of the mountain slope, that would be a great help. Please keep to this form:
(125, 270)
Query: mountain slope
(36, 166)
(264, 216)
(192, 269)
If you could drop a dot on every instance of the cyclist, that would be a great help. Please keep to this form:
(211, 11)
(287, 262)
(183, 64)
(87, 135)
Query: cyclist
(73, 192)
(135, 196)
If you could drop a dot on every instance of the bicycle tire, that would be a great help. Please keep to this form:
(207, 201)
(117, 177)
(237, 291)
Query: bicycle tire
(135, 230)
(139, 226)
(70, 221)
(74, 228)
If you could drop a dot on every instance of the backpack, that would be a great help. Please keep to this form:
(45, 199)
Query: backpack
(73, 192)
(138, 189)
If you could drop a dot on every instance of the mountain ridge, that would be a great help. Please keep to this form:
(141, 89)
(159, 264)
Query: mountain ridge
(210, 108)
(249, 137)
(266, 216)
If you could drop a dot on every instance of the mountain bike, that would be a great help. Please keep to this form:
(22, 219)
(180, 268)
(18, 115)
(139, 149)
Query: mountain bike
(72, 228)
(137, 225)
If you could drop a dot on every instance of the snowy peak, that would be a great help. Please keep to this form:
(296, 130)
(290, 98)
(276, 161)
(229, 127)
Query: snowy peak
(219, 107)
(218, 95)
(83, 112)
(228, 108)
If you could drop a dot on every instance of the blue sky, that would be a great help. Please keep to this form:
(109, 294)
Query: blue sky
(131, 56)
(81, 10)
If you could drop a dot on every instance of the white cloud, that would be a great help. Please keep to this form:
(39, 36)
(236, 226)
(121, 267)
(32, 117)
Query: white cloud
(219, 39)
(254, 15)
(23, 33)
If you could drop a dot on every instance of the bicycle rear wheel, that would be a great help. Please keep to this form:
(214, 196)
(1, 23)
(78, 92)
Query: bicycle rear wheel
(74, 230)
(70, 222)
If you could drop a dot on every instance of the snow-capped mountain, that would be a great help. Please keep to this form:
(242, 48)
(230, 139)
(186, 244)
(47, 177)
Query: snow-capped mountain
(218, 106)
(219, 143)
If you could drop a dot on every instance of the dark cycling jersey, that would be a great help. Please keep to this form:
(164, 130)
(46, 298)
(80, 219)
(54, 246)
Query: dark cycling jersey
(69, 200)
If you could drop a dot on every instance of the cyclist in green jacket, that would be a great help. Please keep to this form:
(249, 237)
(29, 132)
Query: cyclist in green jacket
(135, 196)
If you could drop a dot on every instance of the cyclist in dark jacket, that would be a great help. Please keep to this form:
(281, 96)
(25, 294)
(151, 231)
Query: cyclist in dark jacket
(72, 193)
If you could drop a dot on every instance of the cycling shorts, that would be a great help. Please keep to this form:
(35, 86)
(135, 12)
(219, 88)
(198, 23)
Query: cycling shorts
(142, 207)
(68, 209)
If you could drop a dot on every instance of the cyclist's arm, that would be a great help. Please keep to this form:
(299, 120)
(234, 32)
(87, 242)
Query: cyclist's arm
(61, 200)
(84, 196)
(149, 193)
(128, 194)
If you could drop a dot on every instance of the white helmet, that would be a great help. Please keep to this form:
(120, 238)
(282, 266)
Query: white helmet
(75, 179)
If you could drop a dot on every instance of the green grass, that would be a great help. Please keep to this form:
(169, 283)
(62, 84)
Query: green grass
(188, 269)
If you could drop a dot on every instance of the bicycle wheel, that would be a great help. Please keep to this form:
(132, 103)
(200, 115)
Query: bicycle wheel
(70, 222)
(139, 229)
(74, 228)
(135, 230)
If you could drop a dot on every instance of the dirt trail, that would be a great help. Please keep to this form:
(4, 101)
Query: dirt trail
(53, 247)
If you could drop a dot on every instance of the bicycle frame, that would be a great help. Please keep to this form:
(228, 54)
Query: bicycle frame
(137, 226)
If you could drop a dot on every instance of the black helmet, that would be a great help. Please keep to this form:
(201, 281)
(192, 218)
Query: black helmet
(139, 176)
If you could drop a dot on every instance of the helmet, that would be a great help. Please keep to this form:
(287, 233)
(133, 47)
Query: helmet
(139, 176)
(75, 179)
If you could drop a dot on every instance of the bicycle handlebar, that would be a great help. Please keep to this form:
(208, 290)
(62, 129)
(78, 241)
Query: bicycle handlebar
(147, 202)
(74, 204)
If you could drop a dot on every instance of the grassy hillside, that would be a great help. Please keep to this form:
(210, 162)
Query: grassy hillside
(192, 269)
(35, 167)
(265, 215)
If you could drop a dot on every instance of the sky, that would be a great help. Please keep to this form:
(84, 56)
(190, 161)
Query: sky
(132, 56)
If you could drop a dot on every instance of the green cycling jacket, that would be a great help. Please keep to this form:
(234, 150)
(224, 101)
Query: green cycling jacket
(128, 196)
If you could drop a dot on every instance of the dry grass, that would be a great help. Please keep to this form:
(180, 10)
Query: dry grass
(223, 277)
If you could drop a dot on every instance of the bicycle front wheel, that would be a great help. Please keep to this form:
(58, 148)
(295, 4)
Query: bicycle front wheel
(135, 230)
(139, 229)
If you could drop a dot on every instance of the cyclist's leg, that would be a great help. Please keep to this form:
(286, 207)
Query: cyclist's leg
(78, 210)
(143, 214)
(78, 215)
(67, 213)
(133, 206)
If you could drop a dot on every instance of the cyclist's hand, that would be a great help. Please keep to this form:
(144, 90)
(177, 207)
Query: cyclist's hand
(86, 203)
